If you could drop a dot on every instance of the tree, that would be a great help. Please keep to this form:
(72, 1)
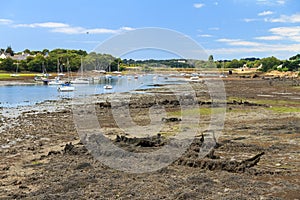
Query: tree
(27, 51)
(98, 61)
(7, 65)
(269, 63)
(45, 52)
(23, 65)
(291, 65)
(114, 65)
(211, 58)
(9, 51)
(37, 63)
(296, 57)
(234, 64)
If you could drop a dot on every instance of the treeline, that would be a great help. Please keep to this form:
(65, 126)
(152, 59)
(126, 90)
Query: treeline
(264, 64)
(173, 63)
(64, 59)
(51, 61)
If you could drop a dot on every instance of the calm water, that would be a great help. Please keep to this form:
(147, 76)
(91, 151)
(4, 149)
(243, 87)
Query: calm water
(13, 96)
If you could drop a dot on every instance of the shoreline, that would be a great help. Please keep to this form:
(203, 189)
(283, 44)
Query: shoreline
(47, 158)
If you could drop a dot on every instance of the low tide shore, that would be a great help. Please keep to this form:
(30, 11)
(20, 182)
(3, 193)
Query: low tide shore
(256, 156)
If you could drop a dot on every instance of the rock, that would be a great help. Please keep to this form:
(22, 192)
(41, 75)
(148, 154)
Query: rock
(83, 165)
(170, 119)
(68, 148)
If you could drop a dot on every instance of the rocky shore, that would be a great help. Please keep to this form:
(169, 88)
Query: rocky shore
(256, 156)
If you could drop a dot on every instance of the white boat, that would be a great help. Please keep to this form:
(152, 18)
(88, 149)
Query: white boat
(108, 87)
(107, 76)
(195, 78)
(16, 74)
(65, 88)
(55, 81)
(80, 80)
(223, 75)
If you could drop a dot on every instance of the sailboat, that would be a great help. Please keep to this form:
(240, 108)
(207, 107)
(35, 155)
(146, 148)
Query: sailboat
(108, 87)
(81, 79)
(56, 80)
(16, 74)
(119, 74)
(66, 87)
(44, 77)
(223, 75)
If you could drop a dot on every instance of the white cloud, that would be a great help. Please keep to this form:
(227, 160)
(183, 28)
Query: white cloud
(281, 2)
(295, 18)
(81, 30)
(271, 2)
(290, 31)
(238, 42)
(264, 13)
(274, 49)
(68, 29)
(214, 28)
(247, 47)
(205, 35)
(5, 21)
(43, 25)
(270, 37)
(250, 19)
(125, 28)
(285, 31)
(198, 5)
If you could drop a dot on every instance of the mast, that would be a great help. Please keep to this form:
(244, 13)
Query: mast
(57, 66)
(17, 66)
(68, 69)
(81, 67)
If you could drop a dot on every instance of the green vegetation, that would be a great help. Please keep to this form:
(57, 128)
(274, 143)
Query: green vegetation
(285, 109)
(197, 112)
(4, 76)
(68, 59)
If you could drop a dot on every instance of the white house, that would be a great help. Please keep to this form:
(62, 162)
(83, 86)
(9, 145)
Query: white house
(3, 56)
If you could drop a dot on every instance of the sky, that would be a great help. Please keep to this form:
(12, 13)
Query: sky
(226, 29)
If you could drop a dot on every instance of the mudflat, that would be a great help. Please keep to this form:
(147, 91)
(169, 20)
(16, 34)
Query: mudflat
(256, 156)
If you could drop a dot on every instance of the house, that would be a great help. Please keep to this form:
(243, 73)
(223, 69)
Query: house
(279, 66)
(3, 56)
(22, 56)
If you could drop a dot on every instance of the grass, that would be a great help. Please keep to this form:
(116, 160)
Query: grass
(266, 101)
(284, 109)
(7, 75)
(197, 112)
(36, 163)
(4, 76)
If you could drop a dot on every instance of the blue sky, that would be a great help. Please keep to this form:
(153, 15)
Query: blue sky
(226, 29)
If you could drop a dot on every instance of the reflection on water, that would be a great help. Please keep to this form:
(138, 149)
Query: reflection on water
(13, 96)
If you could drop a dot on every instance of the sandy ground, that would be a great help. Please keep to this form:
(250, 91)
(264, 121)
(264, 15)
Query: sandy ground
(262, 119)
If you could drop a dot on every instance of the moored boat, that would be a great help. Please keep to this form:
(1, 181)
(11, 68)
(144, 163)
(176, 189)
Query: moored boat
(108, 87)
(66, 87)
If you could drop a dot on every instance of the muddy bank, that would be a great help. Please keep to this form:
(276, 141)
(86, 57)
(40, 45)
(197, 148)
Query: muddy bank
(255, 157)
